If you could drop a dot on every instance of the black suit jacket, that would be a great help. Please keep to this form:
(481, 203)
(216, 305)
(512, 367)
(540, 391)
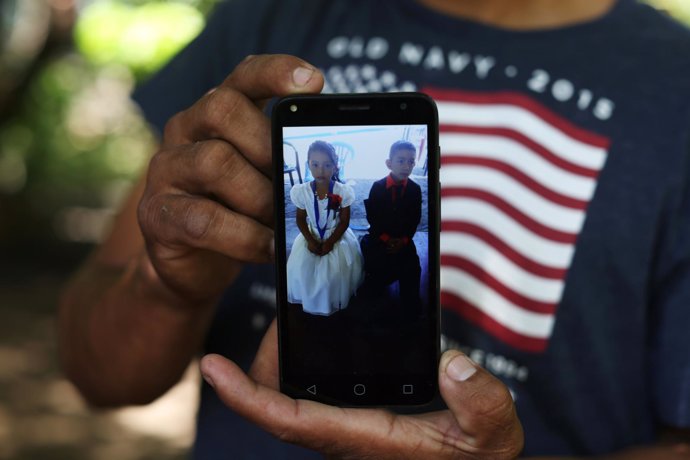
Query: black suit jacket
(397, 219)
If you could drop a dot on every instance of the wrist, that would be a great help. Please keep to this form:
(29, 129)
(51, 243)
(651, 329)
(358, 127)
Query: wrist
(147, 284)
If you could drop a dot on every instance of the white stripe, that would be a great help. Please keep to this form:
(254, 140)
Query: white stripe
(518, 195)
(522, 158)
(530, 245)
(500, 267)
(530, 324)
(527, 123)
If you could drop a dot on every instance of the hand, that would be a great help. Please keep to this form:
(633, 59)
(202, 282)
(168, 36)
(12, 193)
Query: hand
(394, 245)
(314, 247)
(326, 247)
(208, 204)
(481, 421)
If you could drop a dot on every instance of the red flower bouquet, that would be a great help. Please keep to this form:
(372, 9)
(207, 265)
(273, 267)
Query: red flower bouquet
(334, 201)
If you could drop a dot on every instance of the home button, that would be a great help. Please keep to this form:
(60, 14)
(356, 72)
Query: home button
(359, 389)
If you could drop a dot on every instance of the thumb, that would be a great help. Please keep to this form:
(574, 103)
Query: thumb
(264, 369)
(264, 76)
(481, 405)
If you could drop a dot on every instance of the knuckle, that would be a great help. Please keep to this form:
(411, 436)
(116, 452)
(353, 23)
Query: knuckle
(215, 161)
(243, 69)
(173, 128)
(274, 71)
(198, 220)
(221, 107)
(166, 219)
(157, 163)
(248, 61)
(149, 214)
(492, 401)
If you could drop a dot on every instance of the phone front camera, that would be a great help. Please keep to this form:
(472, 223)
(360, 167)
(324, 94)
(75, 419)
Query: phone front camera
(403, 106)
(293, 108)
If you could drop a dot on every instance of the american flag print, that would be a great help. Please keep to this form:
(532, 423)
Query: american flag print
(516, 180)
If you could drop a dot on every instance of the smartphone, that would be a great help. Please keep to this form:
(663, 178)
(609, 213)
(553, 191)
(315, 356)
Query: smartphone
(357, 247)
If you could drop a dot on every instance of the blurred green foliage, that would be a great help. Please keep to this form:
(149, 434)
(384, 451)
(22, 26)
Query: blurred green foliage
(142, 37)
(74, 140)
(680, 9)
(72, 143)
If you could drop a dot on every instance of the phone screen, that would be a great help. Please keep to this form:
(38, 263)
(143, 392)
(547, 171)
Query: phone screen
(357, 248)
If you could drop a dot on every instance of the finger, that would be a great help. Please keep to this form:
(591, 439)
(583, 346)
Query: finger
(274, 75)
(232, 111)
(264, 369)
(229, 115)
(317, 426)
(215, 169)
(188, 221)
(481, 405)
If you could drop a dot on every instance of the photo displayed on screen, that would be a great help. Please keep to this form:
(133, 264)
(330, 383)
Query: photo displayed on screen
(356, 236)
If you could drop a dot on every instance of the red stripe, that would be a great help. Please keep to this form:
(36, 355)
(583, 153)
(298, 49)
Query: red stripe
(485, 278)
(497, 330)
(526, 221)
(519, 176)
(526, 102)
(527, 264)
(537, 148)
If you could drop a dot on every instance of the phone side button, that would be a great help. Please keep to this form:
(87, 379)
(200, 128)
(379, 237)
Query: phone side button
(359, 389)
(312, 389)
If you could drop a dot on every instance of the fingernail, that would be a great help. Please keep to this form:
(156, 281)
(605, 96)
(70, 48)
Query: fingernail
(460, 368)
(208, 379)
(302, 75)
(272, 249)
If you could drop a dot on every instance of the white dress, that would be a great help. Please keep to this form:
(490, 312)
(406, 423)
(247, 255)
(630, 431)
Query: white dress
(323, 284)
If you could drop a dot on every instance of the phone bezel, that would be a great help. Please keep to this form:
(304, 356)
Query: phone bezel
(361, 109)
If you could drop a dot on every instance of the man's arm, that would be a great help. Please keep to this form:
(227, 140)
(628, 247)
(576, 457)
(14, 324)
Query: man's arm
(124, 336)
(134, 315)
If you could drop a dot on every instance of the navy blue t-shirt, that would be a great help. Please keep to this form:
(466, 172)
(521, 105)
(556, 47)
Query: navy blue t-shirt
(565, 244)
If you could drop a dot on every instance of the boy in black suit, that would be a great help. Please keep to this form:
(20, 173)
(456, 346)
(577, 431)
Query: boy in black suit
(394, 209)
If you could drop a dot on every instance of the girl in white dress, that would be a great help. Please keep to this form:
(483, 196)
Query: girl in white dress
(324, 268)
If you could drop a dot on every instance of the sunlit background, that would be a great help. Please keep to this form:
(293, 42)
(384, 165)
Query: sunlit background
(71, 143)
